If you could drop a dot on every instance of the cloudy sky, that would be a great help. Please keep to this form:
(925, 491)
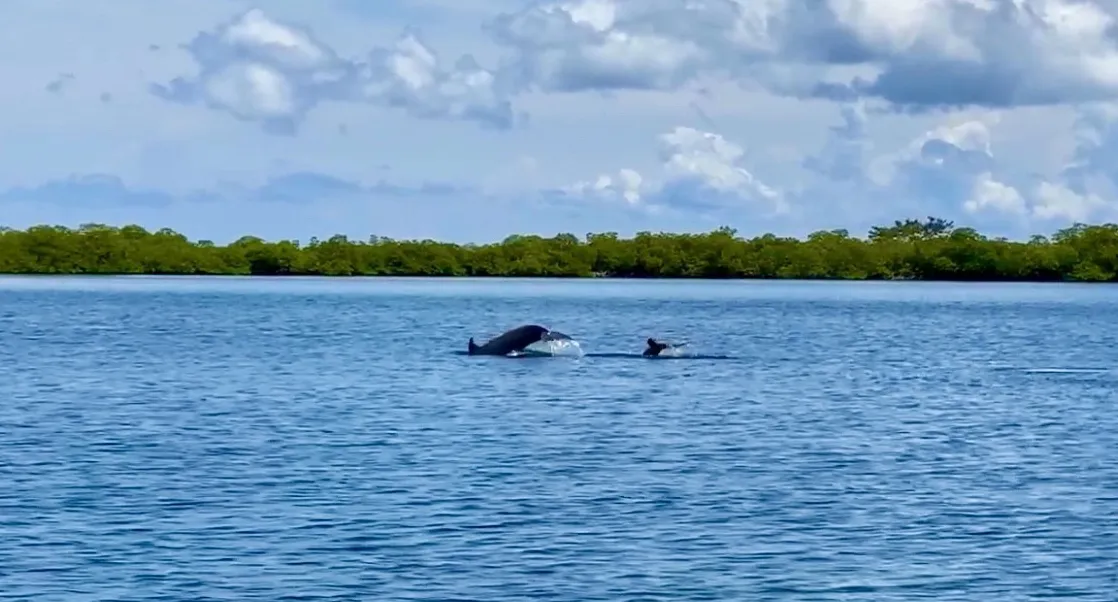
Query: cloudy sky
(466, 120)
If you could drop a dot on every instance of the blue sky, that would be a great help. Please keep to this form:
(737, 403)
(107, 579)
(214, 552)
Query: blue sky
(466, 120)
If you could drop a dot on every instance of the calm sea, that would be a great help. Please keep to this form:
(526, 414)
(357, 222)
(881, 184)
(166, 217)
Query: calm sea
(253, 439)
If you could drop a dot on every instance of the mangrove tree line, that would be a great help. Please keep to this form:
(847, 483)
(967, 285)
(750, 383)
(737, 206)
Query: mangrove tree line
(931, 249)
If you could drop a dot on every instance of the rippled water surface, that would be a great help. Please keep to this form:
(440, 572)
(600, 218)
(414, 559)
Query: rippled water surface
(244, 439)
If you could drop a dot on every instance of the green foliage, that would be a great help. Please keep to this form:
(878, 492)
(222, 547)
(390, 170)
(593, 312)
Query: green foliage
(930, 250)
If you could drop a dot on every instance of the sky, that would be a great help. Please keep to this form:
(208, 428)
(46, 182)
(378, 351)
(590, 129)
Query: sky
(468, 121)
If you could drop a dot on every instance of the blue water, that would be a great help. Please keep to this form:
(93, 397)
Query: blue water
(242, 439)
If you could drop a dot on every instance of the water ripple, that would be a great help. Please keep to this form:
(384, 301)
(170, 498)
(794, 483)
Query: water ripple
(324, 442)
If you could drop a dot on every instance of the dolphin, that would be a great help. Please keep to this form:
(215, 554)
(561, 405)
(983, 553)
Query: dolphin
(655, 347)
(515, 340)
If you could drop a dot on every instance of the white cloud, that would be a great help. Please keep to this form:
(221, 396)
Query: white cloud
(844, 154)
(990, 194)
(947, 151)
(625, 185)
(914, 52)
(1055, 201)
(895, 146)
(701, 163)
(258, 69)
(701, 171)
(953, 171)
(938, 172)
(585, 45)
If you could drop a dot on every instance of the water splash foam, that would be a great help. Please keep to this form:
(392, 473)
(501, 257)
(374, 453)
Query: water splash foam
(553, 348)
(677, 351)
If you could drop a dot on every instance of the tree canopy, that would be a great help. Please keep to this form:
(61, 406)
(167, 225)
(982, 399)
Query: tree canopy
(933, 249)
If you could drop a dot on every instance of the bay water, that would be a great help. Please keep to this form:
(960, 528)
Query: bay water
(229, 438)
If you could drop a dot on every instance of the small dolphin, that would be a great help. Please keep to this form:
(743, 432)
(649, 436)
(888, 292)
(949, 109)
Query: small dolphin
(515, 340)
(655, 347)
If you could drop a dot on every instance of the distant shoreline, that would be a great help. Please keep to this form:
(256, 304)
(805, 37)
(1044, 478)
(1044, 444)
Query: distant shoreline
(681, 279)
(933, 250)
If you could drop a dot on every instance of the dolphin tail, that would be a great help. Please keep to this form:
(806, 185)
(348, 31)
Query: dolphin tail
(472, 348)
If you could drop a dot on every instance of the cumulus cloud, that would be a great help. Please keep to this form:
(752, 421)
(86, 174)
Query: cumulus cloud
(941, 163)
(990, 194)
(844, 154)
(952, 171)
(625, 185)
(261, 70)
(700, 171)
(1094, 162)
(913, 53)
(594, 44)
(1056, 201)
(705, 168)
(1086, 188)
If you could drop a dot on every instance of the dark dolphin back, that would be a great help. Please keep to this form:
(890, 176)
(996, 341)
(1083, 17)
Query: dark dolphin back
(514, 340)
(655, 347)
(520, 336)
